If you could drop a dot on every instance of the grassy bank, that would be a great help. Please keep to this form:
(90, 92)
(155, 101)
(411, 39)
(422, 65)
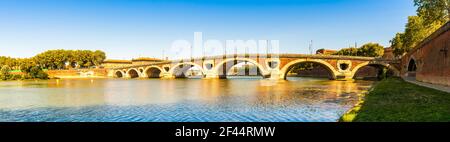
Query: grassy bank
(394, 100)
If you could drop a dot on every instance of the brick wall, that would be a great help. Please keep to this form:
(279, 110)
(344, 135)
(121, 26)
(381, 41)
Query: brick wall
(432, 58)
(78, 73)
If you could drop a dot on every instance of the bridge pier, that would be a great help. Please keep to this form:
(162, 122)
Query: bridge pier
(342, 76)
(143, 75)
(211, 74)
(126, 76)
(274, 75)
(168, 76)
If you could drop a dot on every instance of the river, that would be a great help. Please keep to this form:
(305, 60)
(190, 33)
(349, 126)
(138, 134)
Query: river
(178, 100)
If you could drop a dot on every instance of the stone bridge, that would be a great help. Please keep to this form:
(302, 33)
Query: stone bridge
(273, 66)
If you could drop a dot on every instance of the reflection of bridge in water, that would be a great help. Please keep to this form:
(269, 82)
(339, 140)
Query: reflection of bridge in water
(275, 66)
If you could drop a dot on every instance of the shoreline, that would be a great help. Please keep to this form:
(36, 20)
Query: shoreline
(350, 115)
(397, 100)
(78, 77)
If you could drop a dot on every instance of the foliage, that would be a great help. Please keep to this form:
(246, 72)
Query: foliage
(64, 59)
(25, 65)
(371, 50)
(52, 59)
(352, 51)
(11, 62)
(397, 44)
(15, 77)
(57, 59)
(36, 72)
(4, 72)
(431, 15)
(433, 10)
(394, 100)
(367, 50)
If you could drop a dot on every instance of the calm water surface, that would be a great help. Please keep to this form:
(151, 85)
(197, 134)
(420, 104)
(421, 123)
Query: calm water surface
(181, 100)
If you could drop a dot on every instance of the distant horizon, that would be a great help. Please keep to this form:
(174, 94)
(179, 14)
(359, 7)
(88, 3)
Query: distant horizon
(131, 29)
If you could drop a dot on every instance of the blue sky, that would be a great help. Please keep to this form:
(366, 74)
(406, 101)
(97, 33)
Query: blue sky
(126, 29)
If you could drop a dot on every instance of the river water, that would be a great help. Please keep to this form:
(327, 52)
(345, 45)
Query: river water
(179, 100)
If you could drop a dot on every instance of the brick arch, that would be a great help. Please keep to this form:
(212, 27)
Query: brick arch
(286, 68)
(146, 69)
(141, 70)
(172, 70)
(359, 66)
(119, 74)
(130, 73)
(218, 67)
(412, 58)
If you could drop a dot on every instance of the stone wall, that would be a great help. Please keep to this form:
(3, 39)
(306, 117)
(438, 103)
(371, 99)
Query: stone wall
(82, 73)
(116, 65)
(367, 72)
(432, 58)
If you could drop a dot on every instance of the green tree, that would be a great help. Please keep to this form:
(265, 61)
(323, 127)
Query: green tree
(433, 10)
(367, 50)
(431, 15)
(352, 51)
(26, 65)
(371, 50)
(397, 44)
(4, 72)
(36, 72)
(99, 57)
(64, 59)
(11, 62)
(417, 30)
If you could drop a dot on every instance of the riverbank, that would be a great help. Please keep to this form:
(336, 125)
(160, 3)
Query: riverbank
(57, 74)
(395, 100)
(78, 73)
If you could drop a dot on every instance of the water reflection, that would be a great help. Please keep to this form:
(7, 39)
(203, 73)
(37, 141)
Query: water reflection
(249, 99)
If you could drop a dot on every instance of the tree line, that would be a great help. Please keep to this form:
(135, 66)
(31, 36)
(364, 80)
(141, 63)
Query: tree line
(33, 67)
(367, 50)
(431, 15)
(65, 59)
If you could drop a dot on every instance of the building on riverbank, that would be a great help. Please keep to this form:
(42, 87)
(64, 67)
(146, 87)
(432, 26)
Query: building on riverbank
(325, 52)
(389, 54)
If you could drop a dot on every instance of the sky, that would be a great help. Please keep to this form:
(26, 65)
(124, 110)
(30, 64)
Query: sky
(127, 29)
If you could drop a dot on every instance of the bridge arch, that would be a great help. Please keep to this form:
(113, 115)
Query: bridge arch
(133, 73)
(370, 63)
(119, 74)
(412, 65)
(285, 70)
(184, 69)
(230, 62)
(153, 72)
